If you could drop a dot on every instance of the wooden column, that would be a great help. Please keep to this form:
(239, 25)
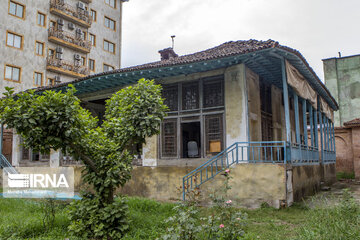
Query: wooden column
(305, 122)
(311, 124)
(286, 101)
(297, 123)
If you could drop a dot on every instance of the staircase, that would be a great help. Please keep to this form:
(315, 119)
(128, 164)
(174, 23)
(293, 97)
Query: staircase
(239, 152)
(4, 164)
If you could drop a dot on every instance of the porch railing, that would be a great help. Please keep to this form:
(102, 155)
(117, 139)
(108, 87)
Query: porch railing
(240, 152)
(303, 154)
(328, 156)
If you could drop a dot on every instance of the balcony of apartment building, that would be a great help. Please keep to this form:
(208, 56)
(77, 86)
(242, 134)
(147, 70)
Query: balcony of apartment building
(77, 14)
(72, 69)
(70, 40)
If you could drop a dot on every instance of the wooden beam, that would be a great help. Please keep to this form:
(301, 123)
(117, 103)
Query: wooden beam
(297, 123)
(305, 122)
(286, 101)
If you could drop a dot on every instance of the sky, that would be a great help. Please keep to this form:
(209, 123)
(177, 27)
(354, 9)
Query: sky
(319, 29)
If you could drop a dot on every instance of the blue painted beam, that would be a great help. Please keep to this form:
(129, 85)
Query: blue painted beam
(304, 107)
(297, 123)
(286, 101)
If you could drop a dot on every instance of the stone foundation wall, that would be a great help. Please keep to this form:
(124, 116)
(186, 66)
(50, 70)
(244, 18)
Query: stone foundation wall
(305, 180)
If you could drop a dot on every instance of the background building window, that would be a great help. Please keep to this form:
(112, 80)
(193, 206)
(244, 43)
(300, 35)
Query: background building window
(111, 3)
(92, 39)
(109, 23)
(41, 19)
(12, 73)
(83, 61)
(39, 48)
(93, 15)
(92, 64)
(38, 79)
(109, 46)
(108, 68)
(51, 53)
(51, 82)
(16, 9)
(14, 40)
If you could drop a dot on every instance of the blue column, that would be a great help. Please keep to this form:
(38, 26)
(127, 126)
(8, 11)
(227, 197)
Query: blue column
(321, 135)
(311, 125)
(305, 122)
(297, 123)
(316, 129)
(286, 101)
(334, 146)
(332, 136)
(327, 133)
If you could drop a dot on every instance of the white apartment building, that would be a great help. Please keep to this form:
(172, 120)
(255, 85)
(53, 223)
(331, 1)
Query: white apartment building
(44, 42)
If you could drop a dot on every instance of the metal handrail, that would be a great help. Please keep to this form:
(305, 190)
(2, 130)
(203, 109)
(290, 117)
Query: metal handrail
(8, 168)
(69, 37)
(68, 9)
(66, 65)
(251, 152)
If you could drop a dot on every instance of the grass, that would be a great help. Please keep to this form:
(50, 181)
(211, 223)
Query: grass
(345, 175)
(22, 219)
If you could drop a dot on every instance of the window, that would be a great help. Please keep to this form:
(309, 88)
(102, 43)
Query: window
(190, 96)
(38, 77)
(92, 39)
(111, 3)
(41, 19)
(93, 15)
(108, 67)
(214, 134)
(51, 52)
(39, 48)
(16, 9)
(52, 24)
(12, 73)
(169, 138)
(109, 46)
(50, 82)
(109, 23)
(83, 61)
(213, 94)
(92, 64)
(14, 40)
(170, 94)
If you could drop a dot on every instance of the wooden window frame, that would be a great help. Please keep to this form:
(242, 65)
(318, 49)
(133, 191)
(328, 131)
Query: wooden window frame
(45, 19)
(55, 26)
(53, 49)
(111, 20)
(24, 9)
(42, 78)
(110, 5)
(13, 66)
(43, 48)
(17, 34)
(105, 40)
(109, 66)
(94, 39)
(51, 79)
(83, 60)
(90, 59)
(92, 10)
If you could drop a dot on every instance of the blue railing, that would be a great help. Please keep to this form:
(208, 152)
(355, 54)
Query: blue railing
(240, 152)
(303, 154)
(328, 156)
(4, 163)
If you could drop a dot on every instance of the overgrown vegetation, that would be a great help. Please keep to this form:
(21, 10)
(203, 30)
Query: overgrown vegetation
(56, 120)
(345, 175)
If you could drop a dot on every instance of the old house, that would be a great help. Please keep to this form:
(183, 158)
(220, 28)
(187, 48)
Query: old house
(243, 105)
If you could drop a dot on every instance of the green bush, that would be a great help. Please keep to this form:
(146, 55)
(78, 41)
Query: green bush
(345, 175)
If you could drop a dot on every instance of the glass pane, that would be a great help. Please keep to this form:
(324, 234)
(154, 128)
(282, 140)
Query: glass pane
(106, 22)
(19, 11)
(190, 96)
(169, 138)
(213, 94)
(214, 134)
(170, 94)
(111, 47)
(16, 74)
(8, 72)
(10, 39)
(112, 25)
(12, 9)
(17, 41)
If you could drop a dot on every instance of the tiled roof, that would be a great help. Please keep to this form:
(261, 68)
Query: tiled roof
(353, 123)
(228, 49)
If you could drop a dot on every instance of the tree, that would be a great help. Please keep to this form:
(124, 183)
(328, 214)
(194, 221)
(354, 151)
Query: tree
(55, 120)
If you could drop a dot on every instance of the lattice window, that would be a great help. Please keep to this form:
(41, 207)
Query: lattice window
(214, 133)
(170, 94)
(25, 154)
(213, 94)
(169, 138)
(190, 96)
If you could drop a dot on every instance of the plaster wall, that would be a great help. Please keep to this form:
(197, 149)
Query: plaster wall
(356, 151)
(163, 183)
(305, 180)
(344, 150)
(31, 32)
(342, 78)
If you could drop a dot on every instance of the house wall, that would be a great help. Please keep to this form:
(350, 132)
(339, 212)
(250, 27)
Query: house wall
(164, 183)
(235, 114)
(356, 151)
(344, 150)
(305, 180)
(342, 78)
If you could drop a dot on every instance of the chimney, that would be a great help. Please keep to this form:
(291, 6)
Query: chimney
(167, 53)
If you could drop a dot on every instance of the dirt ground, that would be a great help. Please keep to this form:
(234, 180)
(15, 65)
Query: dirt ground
(333, 194)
